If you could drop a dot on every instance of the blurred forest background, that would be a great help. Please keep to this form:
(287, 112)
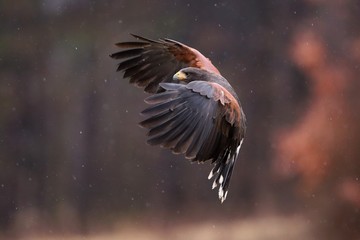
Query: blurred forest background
(74, 161)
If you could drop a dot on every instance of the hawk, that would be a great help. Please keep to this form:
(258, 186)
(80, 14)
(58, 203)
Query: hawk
(193, 109)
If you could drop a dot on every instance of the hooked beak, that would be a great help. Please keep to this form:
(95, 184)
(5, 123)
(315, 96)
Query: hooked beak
(180, 76)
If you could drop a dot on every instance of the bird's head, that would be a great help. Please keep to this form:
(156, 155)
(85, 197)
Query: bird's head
(190, 74)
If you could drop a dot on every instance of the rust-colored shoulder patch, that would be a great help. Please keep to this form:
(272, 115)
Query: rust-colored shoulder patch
(190, 56)
(232, 107)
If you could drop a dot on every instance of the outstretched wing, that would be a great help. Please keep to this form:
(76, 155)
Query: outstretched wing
(149, 62)
(201, 120)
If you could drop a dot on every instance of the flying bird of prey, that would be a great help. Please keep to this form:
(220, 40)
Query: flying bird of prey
(194, 110)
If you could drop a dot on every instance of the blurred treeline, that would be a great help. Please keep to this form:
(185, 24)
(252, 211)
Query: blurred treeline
(72, 156)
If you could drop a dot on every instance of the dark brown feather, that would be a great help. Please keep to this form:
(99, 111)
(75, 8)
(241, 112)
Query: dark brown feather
(202, 104)
(165, 55)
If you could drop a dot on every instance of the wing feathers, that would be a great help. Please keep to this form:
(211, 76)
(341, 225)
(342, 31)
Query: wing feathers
(164, 56)
(131, 45)
(193, 120)
(127, 53)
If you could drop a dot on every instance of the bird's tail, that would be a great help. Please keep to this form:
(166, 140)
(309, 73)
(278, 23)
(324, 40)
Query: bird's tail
(222, 172)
